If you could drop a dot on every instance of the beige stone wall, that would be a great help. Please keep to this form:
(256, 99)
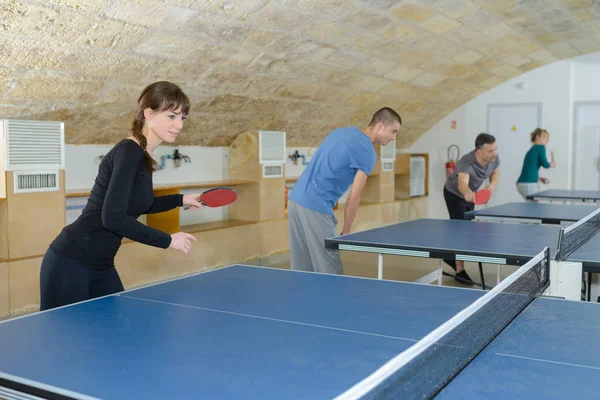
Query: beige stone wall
(142, 265)
(303, 66)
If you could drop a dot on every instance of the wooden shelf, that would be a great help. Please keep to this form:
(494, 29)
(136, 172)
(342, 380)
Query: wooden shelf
(210, 226)
(160, 187)
(402, 164)
(292, 179)
(402, 178)
(192, 185)
(78, 193)
(367, 204)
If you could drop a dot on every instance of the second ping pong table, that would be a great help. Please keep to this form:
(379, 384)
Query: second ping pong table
(566, 195)
(532, 213)
(543, 213)
(482, 242)
(244, 332)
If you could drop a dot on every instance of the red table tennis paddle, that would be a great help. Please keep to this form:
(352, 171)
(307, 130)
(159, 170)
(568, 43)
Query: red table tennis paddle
(218, 197)
(482, 196)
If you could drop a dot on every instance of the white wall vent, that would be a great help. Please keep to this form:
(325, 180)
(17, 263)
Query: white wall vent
(387, 165)
(33, 145)
(272, 170)
(36, 181)
(388, 152)
(272, 147)
(417, 175)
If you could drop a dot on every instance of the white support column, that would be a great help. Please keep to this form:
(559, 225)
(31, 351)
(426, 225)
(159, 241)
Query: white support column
(565, 280)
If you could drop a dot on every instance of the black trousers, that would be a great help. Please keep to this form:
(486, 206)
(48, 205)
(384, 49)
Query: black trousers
(457, 207)
(64, 281)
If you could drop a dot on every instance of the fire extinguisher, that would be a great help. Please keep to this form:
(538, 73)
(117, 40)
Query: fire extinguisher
(451, 163)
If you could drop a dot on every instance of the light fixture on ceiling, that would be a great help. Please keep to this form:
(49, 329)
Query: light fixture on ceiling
(521, 85)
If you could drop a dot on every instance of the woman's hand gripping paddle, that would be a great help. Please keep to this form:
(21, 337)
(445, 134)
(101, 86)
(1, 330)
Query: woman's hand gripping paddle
(218, 197)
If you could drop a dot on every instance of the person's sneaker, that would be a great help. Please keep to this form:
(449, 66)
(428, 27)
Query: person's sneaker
(463, 278)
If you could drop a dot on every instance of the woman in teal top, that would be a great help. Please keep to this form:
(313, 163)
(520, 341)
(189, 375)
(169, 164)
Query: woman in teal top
(534, 159)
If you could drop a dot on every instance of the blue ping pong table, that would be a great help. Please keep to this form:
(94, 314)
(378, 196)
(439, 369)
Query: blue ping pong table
(479, 242)
(543, 213)
(244, 332)
(565, 195)
(532, 213)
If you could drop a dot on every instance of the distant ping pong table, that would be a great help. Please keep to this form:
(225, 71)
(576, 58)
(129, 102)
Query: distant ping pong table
(542, 213)
(486, 242)
(533, 213)
(244, 332)
(565, 195)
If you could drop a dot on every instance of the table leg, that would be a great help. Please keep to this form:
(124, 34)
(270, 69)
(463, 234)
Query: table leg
(481, 275)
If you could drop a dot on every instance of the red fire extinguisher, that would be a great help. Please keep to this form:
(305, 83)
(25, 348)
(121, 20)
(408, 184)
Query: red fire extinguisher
(451, 163)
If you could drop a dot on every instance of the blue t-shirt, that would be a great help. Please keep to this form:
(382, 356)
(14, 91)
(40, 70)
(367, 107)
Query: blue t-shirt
(331, 170)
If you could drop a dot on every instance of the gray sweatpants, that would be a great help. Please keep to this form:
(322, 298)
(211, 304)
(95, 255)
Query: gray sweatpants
(525, 189)
(308, 231)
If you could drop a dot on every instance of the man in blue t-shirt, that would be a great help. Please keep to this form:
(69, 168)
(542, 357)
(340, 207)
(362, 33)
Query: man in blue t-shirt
(346, 157)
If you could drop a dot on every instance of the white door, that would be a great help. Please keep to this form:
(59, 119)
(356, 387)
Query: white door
(587, 145)
(511, 125)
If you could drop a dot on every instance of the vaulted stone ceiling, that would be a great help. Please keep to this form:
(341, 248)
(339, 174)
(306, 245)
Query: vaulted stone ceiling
(303, 66)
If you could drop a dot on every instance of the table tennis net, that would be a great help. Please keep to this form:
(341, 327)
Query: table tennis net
(575, 235)
(424, 369)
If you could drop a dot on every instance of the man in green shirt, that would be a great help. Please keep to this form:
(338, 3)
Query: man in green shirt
(534, 159)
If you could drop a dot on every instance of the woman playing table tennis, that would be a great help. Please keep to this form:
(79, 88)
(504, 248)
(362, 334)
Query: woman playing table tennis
(79, 264)
(527, 183)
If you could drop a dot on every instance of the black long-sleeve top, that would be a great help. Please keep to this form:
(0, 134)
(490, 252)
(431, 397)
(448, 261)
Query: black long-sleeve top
(121, 193)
